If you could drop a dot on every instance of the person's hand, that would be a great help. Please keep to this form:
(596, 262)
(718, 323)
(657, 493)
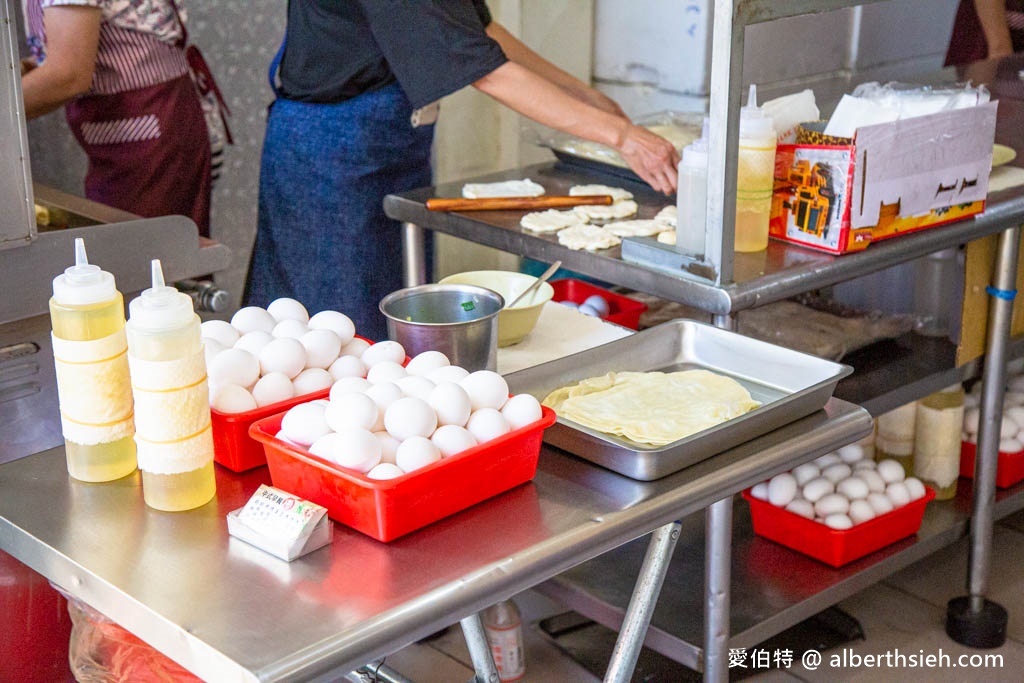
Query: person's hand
(652, 157)
(27, 64)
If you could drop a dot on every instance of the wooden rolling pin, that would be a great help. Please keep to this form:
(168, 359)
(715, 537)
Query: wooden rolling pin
(513, 203)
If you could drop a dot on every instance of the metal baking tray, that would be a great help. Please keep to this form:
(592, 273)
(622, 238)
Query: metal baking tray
(789, 384)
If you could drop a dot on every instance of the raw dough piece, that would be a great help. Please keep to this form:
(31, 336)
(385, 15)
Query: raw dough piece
(551, 220)
(598, 212)
(668, 215)
(617, 193)
(667, 236)
(654, 408)
(589, 237)
(635, 228)
(506, 188)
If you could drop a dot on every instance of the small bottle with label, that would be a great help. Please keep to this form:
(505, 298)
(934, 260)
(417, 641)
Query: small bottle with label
(755, 176)
(172, 408)
(692, 196)
(940, 418)
(894, 437)
(93, 385)
(504, 628)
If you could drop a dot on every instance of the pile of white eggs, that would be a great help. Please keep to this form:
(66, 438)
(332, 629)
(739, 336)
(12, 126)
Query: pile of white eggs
(594, 305)
(1011, 427)
(398, 419)
(841, 489)
(265, 356)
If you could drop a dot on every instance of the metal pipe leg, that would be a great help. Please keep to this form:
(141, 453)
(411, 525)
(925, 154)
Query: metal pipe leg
(641, 604)
(414, 259)
(479, 650)
(717, 575)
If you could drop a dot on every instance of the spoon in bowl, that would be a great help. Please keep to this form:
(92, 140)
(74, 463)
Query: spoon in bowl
(536, 284)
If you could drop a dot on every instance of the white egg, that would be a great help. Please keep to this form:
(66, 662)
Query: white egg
(853, 488)
(448, 373)
(385, 470)
(972, 417)
(760, 490)
(865, 464)
(971, 438)
(356, 347)
(383, 351)
(234, 366)
(801, 507)
(273, 388)
(338, 323)
(486, 389)
(284, 354)
(384, 394)
(1013, 398)
(252, 318)
(289, 328)
(898, 493)
(598, 303)
(838, 521)
(1009, 445)
(349, 385)
(915, 487)
(569, 304)
(388, 446)
(782, 489)
(1008, 428)
(804, 473)
(586, 309)
(231, 398)
(486, 424)
(305, 423)
(521, 410)
(827, 460)
(891, 471)
(426, 362)
(312, 380)
(414, 385)
(851, 453)
(831, 504)
(971, 401)
(451, 403)
(452, 439)
(352, 410)
(322, 348)
(1015, 413)
(254, 341)
(408, 417)
(861, 511)
(347, 366)
(836, 473)
(880, 503)
(385, 371)
(211, 347)
(1015, 383)
(359, 451)
(416, 452)
(281, 436)
(873, 479)
(288, 309)
(817, 488)
(219, 330)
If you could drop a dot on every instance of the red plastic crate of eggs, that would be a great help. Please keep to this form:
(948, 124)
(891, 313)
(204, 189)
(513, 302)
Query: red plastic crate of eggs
(621, 310)
(1010, 468)
(858, 507)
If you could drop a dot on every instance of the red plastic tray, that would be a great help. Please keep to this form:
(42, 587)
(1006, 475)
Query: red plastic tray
(622, 310)
(1009, 471)
(833, 546)
(390, 508)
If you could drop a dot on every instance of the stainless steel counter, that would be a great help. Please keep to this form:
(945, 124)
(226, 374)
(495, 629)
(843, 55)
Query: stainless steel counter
(228, 611)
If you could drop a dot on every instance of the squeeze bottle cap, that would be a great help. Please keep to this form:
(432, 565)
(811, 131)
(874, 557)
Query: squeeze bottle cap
(695, 154)
(160, 307)
(754, 122)
(83, 283)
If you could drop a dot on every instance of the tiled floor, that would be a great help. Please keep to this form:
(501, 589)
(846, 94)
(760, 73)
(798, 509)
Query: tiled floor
(904, 614)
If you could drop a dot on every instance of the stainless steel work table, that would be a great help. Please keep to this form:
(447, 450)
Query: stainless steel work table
(228, 611)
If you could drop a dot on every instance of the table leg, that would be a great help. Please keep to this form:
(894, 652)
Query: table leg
(972, 620)
(717, 575)
(479, 650)
(641, 604)
(414, 260)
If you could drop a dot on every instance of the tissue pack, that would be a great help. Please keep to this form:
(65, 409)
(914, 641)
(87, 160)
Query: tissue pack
(892, 178)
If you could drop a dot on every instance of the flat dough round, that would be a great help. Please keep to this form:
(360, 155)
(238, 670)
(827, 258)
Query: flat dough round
(589, 237)
(617, 193)
(598, 212)
(506, 188)
(634, 228)
(668, 216)
(551, 220)
(1001, 154)
(667, 237)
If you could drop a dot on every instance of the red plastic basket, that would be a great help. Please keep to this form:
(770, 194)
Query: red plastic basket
(622, 310)
(1009, 471)
(833, 546)
(390, 508)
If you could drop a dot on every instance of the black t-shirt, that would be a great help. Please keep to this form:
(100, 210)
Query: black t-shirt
(338, 49)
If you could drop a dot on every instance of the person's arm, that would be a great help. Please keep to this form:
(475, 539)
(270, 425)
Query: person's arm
(72, 39)
(992, 15)
(652, 157)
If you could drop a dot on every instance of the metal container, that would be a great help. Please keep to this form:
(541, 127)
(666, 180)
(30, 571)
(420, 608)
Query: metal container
(460, 321)
(789, 385)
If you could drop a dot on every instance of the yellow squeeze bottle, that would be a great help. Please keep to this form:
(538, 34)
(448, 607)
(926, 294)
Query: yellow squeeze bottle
(755, 176)
(172, 405)
(90, 356)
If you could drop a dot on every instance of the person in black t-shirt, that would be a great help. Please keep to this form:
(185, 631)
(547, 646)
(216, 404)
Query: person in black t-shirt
(352, 122)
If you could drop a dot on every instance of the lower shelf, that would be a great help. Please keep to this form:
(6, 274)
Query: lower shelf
(773, 587)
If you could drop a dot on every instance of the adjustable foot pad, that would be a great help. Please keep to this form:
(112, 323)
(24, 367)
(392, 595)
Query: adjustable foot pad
(985, 629)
